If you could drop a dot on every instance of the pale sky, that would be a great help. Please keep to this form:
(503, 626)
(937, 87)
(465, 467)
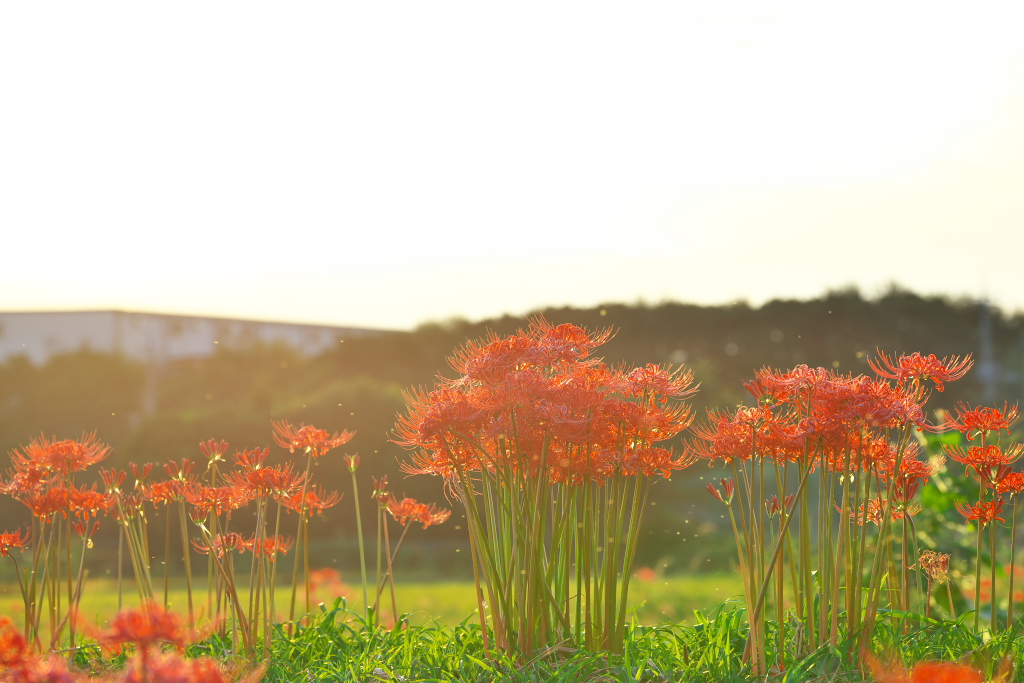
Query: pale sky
(382, 164)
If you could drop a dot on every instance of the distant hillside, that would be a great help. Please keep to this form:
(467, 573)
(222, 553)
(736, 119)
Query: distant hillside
(153, 414)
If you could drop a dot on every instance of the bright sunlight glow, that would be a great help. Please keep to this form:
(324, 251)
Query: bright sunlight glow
(383, 164)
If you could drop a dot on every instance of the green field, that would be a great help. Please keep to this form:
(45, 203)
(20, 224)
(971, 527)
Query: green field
(658, 600)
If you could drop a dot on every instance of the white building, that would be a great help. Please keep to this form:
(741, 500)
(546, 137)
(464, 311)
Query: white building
(153, 337)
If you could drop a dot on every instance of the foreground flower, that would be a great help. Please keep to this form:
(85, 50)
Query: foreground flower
(19, 664)
(148, 626)
(930, 672)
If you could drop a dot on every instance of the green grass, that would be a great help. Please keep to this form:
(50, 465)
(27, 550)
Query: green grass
(661, 600)
(669, 640)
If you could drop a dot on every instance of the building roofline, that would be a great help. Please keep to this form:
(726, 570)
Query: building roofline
(193, 316)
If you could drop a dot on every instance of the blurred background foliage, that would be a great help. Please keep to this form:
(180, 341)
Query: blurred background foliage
(156, 414)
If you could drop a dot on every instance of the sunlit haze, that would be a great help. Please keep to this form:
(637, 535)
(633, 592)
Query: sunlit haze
(384, 164)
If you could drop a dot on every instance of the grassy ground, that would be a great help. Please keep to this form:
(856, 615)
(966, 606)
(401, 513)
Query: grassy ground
(657, 600)
(667, 641)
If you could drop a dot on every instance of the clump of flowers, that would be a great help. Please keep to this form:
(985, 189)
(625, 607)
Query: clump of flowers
(145, 630)
(552, 454)
(931, 672)
(63, 513)
(854, 434)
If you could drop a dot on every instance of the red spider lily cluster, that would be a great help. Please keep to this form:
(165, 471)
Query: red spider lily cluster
(853, 433)
(42, 477)
(533, 422)
(990, 462)
(536, 404)
(61, 509)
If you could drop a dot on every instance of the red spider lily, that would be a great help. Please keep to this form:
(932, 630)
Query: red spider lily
(729, 486)
(983, 512)
(214, 450)
(654, 381)
(146, 627)
(875, 510)
(270, 546)
(773, 507)
(352, 462)
(171, 666)
(983, 458)
(18, 664)
(771, 387)
(380, 489)
(87, 503)
(431, 415)
(326, 582)
(112, 479)
(918, 369)
(24, 482)
(224, 543)
(9, 540)
(162, 491)
(1011, 483)
(219, 499)
(652, 461)
(972, 421)
(180, 473)
(45, 504)
(913, 472)
(308, 439)
(265, 481)
(923, 672)
(315, 500)
(935, 565)
(408, 509)
(14, 648)
(65, 456)
(141, 473)
(251, 459)
(732, 436)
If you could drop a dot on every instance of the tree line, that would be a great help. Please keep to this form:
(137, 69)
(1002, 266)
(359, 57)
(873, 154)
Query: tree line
(155, 414)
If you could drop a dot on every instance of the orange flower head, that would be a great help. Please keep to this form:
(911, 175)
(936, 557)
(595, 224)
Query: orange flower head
(225, 543)
(918, 369)
(313, 500)
(65, 456)
(251, 459)
(925, 672)
(408, 509)
(1011, 482)
(935, 565)
(971, 421)
(162, 491)
(271, 547)
(219, 499)
(983, 512)
(9, 540)
(14, 650)
(213, 450)
(146, 627)
(308, 439)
